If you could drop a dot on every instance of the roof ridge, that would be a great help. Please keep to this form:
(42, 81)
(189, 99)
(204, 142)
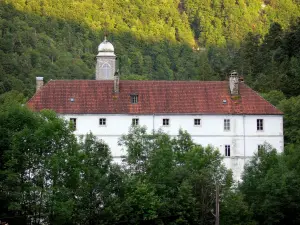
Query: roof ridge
(154, 81)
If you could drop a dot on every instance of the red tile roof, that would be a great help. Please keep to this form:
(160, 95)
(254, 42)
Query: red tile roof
(154, 97)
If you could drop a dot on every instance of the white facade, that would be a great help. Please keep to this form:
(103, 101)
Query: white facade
(243, 136)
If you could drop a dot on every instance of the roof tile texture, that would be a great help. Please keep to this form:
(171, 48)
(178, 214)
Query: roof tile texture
(154, 97)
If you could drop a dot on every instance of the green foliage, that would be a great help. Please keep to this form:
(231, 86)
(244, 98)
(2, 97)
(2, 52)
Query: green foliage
(234, 209)
(34, 44)
(12, 96)
(221, 22)
(179, 175)
(271, 187)
(32, 150)
(291, 107)
(272, 62)
(45, 174)
(134, 77)
(93, 190)
(274, 97)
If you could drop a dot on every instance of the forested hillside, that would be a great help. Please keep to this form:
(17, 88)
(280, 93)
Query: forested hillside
(48, 177)
(169, 40)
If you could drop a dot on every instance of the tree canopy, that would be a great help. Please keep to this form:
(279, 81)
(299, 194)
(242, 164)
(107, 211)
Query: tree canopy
(47, 176)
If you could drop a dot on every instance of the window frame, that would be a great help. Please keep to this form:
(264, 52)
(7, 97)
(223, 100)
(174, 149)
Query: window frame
(134, 99)
(227, 149)
(135, 121)
(166, 122)
(106, 70)
(259, 124)
(102, 122)
(195, 123)
(73, 120)
(227, 124)
(260, 148)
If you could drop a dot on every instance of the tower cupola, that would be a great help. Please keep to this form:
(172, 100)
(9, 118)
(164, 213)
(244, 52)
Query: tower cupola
(106, 61)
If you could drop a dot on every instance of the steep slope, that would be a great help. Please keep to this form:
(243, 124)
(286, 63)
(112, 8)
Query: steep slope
(145, 19)
(167, 39)
(35, 45)
(217, 22)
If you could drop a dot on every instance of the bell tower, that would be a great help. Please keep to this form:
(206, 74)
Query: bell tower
(106, 61)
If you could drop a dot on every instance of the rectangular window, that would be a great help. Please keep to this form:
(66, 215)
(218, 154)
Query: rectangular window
(102, 121)
(226, 124)
(73, 122)
(135, 122)
(197, 122)
(227, 150)
(260, 148)
(134, 99)
(260, 124)
(166, 122)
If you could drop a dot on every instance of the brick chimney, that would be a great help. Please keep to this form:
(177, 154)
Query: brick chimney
(39, 83)
(116, 82)
(234, 83)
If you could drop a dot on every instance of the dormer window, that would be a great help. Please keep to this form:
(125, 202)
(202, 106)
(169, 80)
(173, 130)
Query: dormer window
(134, 99)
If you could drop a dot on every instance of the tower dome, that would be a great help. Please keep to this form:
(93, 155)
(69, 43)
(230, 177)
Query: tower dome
(106, 46)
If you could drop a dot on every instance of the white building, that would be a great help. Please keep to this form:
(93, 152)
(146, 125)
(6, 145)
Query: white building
(226, 114)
